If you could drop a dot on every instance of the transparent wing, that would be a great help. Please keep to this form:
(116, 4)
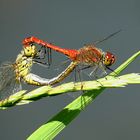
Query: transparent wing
(94, 71)
(8, 83)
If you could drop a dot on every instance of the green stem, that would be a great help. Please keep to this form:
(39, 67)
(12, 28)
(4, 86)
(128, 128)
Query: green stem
(54, 126)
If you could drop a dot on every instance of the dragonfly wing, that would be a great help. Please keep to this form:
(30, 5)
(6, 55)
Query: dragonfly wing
(94, 71)
(8, 83)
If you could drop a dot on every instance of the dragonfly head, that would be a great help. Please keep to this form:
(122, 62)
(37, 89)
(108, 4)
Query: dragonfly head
(30, 50)
(109, 59)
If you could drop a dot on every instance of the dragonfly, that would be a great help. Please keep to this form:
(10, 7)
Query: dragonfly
(87, 56)
(13, 74)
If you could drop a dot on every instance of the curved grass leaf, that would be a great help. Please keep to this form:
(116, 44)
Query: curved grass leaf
(54, 126)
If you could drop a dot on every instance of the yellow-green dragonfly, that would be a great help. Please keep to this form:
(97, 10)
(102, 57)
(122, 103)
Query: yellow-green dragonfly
(12, 74)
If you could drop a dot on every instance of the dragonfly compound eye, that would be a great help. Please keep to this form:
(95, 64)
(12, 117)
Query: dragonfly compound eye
(30, 50)
(109, 59)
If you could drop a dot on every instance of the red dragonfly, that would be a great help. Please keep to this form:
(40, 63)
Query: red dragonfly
(88, 56)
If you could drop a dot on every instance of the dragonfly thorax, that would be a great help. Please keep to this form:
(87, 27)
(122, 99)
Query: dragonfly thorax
(23, 67)
(89, 55)
(24, 63)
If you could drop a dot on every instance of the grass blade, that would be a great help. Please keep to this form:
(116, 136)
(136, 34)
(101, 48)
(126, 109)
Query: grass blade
(54, 126)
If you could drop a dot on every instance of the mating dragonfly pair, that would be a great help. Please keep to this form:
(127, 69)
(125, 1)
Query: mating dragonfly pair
(12, 74)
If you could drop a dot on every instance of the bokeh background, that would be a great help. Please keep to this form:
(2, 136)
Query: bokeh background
(115, 114)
